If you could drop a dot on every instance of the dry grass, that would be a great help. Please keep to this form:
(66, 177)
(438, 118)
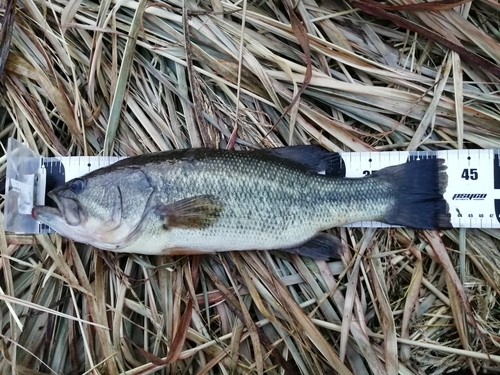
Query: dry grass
(130, 77)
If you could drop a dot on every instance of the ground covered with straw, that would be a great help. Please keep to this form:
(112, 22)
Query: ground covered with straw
(132, 77)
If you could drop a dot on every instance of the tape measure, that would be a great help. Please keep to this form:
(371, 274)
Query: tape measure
(473, 191)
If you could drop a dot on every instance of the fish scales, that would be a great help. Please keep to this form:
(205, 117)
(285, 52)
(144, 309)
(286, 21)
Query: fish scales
(199, 200)
(267, 203)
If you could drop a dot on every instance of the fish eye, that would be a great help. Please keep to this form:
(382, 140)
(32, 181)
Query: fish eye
(77, 186)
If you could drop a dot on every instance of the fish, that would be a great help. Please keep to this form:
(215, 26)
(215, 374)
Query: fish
(200, 201)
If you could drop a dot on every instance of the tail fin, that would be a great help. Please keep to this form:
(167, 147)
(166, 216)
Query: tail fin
(418, 186)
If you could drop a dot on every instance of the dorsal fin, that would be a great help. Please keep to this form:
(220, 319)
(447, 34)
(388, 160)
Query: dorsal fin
(313, 157)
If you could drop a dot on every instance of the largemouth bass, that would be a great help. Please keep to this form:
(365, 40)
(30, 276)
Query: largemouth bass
(204, 201)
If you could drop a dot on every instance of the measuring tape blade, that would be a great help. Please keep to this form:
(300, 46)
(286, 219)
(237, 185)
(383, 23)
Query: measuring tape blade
(473, 191)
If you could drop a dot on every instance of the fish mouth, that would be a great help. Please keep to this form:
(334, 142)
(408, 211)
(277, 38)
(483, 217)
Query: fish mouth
(41, 212)
(68, 210)
(53, 217)
(49, 214)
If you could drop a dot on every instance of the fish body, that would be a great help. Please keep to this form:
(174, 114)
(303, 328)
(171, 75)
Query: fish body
(204, 201)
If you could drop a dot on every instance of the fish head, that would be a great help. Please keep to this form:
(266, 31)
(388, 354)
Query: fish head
(101, 209)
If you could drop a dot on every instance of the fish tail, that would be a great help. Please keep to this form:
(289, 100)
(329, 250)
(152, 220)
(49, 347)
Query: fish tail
(418, 187)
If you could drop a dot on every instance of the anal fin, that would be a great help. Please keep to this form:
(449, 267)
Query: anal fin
(322, 247)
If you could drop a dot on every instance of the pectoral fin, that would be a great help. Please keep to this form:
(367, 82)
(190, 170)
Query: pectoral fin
(322, 246)
(195, 212)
